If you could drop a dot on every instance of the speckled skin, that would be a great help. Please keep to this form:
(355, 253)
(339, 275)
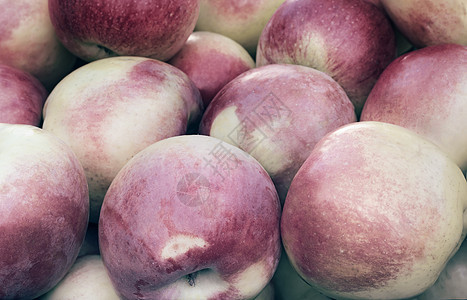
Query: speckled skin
(21, 97)
(375, 212)
(44, 206)
(426, 91)
(111, 109)
(211, 60)
(430, 22)
(28, 41)
(237, 223)
(310, 104)
(152, 28)
(350, 40)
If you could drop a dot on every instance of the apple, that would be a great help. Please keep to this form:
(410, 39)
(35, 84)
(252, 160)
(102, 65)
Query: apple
(426, 91)
(277, 113)
(86, 280)
(98, 29)
(350, 40)
(22, 97)
(375, 212)
(211, 60)
(267, 293)
(44, 207)
(111, 109)
(28, 41)
(241, 21)
(190, 217)
(376, 2)
(429, 22)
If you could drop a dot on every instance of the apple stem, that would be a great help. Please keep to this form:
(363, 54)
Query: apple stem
(191, 279)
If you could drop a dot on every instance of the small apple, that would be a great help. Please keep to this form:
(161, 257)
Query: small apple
(211, 60)
(241, 21)
(430, 22)
(111, 109)
(44, 208)
(426, 91)
(28, 41)
(86, 280)
(22, 97)
(98, 29)
(375, 212)
(277, 113)
(350, 40)
(190, 217)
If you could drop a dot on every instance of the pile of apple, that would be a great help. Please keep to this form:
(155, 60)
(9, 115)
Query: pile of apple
(215, 149)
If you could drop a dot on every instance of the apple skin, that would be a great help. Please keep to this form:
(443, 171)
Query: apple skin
(28, 41)
(425, 91)
(44, 206)
(277, 113)
(86, 280)
(22, 97)
(350, 40)
(375, 212)
(98, 29)
(241, 21)
(111, 109)
(429, 22)
(178, 224)
(211, 60)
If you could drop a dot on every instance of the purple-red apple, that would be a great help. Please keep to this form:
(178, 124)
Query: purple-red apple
(44, 210)
(430, 22)
(98, 29)
(111, 109)
(241, 21)
(277, 113)
(28, 41)
(350, 40)
(22, 97)
(375, 212)
(190, 217)
(86, 280)
(211, 60)
(426, 91)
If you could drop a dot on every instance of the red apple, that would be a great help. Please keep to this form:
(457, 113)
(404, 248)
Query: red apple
(430, 22)
(426, 91)
(375, 212)
(44, 207)
(350, 40)
(22, 97)
(97, 29)
(111, 109)
(277, 113)
(241, 21)
(211, 60)
(190, 217)
(28, 41)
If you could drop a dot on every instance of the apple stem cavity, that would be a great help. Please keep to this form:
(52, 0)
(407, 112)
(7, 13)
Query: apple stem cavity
(191, 278)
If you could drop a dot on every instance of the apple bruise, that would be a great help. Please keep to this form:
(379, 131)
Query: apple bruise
(95, 30)
(143, 197)
(353, 43)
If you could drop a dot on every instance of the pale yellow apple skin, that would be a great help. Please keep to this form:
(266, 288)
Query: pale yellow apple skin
(111, 109)
(242, 21)
(28, 41)
(86, 280)
(429, 22)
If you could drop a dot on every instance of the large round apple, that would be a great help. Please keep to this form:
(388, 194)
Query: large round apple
(350, 40)
(426, 91)
(22, 97)
(28, 41)
(97, 29)
(190, 217)
(277, 113)
(375, 212)
(44, 209)
(111, 109)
